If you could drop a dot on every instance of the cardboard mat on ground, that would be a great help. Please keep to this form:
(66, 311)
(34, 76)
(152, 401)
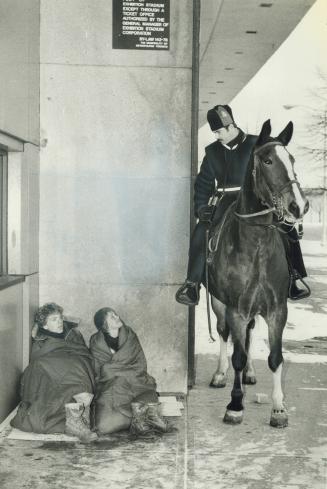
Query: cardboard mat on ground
(169, 407)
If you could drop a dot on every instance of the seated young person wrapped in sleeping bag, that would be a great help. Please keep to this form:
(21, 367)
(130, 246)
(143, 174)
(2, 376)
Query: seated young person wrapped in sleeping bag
(125, 393)
(57, 386)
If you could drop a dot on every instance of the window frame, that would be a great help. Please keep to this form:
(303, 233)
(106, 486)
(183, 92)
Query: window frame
(3, 211)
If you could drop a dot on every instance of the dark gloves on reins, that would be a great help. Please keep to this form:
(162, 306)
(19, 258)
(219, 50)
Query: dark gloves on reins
(206, 212)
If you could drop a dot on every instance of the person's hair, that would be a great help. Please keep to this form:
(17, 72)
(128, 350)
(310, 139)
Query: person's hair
(100, 316)
(44, 311)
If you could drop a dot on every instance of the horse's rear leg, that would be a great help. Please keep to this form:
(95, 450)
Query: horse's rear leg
(249, 376)
(219, 377)
(234, 411)
(279, 417)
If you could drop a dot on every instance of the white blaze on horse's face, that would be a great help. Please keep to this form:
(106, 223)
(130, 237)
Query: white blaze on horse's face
(295, 204)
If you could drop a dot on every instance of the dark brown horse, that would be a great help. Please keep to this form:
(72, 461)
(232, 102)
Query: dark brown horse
(248, 275)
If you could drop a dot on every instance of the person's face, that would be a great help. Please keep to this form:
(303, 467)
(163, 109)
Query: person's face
(55, 323)
(113, 322)
(225, 134)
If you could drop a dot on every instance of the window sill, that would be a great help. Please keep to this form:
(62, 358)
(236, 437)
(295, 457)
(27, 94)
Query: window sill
(9, 280)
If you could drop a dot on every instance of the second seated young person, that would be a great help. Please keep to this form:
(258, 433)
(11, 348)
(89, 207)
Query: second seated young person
(126, 394)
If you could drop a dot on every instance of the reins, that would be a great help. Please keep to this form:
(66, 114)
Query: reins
(213, 248)
(213, 202)
(254, 214)
(207, 289)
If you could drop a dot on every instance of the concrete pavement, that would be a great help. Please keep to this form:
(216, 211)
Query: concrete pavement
(254, 455)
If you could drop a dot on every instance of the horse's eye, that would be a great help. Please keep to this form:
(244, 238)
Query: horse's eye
(267, 161)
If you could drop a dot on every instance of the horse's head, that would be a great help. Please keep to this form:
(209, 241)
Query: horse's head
(275, 180)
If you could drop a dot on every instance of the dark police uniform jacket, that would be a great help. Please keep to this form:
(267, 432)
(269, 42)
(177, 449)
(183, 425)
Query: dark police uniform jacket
(225, 166)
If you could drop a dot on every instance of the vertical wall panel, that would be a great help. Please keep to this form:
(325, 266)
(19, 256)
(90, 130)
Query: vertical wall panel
(20, 68)
(30, 306)
(11, 346)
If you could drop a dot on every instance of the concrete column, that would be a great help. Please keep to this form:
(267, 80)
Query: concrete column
(115, 176)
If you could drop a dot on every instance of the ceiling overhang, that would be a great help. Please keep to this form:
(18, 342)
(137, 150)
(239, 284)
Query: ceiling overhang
(236, 38)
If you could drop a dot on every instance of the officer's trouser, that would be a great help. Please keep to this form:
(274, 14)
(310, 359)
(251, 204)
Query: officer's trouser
(197, 251)
(294, 253)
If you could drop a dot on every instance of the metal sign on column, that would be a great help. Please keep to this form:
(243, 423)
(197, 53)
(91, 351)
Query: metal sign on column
(140, 24)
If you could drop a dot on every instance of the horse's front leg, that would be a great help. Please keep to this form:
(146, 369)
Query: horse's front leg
(219, 377)
(276, 323)
(249, 376)
(234, 411)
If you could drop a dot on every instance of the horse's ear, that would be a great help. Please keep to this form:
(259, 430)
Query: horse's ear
(285, 136)
(264, 134)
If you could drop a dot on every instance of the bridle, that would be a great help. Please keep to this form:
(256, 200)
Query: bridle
(276, 197)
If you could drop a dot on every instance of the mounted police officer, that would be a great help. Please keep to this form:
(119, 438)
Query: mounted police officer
(225, 163)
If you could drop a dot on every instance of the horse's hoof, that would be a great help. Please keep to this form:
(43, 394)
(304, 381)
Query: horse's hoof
(217, 385)
(218, 381)
(279, 418)
(249, 379)
(233, 417)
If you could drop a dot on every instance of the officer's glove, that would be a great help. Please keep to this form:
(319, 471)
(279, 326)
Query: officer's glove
(291, 232)
(205, 213)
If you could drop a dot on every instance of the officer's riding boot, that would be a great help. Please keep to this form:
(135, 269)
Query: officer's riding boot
(296, 267)
(294, 292)
(188, 293)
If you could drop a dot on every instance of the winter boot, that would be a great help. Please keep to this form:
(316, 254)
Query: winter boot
(154, 419)
(139, 425)
(86, 398)
(75, 423)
